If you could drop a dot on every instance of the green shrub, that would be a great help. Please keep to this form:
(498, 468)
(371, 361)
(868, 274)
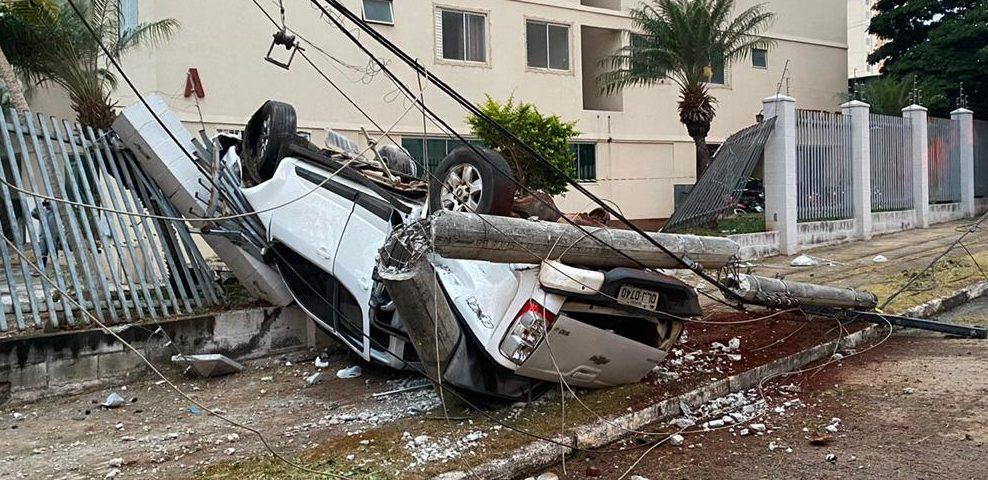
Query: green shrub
(548, 135)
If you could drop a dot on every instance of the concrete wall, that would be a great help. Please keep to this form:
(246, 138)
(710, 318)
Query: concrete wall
(890, 222)
(43, 365)
(757, 245)
(818, 234)
(945, 212)
(642, 150)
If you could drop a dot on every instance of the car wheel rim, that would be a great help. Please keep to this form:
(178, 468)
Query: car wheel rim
(463, 188)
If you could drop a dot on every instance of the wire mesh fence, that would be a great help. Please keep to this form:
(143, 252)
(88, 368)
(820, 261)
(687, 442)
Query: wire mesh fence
(118, 266)
(823, 166)
(944, 161)
(717, 191)
(981, 158)
(891, 163)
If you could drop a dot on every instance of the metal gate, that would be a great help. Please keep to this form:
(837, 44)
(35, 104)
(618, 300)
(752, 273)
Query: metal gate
(117, 263)
(718, 189)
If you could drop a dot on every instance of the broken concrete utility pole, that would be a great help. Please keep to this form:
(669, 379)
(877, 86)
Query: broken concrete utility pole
(772, 292)
(404, 267)
(471, 236)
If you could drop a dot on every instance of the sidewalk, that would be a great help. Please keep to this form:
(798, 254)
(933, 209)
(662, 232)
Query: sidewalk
(338, 426)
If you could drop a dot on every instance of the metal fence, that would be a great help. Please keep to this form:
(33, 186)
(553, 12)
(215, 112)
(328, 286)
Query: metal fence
(823, 166)
(981, 158)
(891, 163)
(944, 161)
(718, 189)
(120, 267)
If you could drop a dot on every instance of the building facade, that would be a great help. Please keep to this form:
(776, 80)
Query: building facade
(631, 150)
(860, 43)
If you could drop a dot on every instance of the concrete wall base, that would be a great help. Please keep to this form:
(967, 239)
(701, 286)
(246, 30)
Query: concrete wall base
(45, 365)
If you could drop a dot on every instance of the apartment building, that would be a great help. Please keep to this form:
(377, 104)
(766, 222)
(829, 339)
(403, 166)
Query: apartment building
(860, 43)
(631, 150)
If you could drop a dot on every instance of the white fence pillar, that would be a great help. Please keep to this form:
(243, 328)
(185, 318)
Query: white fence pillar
(859, 114)
(781, 209)
(963, 120)
(919, 151)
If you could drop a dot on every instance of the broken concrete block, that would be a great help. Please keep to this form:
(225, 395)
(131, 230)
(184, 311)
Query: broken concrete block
(314, 378)
(114, 400)
(676, 440)
(209, 365)
(804, 261)
(758, 427)
(349, 372)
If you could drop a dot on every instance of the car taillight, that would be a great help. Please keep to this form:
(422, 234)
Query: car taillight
(526, 331)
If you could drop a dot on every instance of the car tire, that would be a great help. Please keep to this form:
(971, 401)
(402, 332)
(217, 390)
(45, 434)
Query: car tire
(466, 182)
(271, 126)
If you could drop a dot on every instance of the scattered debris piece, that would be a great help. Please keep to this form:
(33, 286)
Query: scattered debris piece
(908, 391)
(114, 400)
(880, 259)
(320, 363)
(804, 261)
(112, 473)
(314, 378)
(676, 440)
(349, 372)
(821, 440)
(115, 462)
(548, 476)
(208, 365)
(758, 427)
(831, 458)
(194, 410)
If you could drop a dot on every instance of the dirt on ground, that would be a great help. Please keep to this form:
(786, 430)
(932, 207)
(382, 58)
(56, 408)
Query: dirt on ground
(915, 406)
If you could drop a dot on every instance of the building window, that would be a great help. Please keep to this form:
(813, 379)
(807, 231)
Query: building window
(127, 11)
(759, 58)
(463, 35)
(428, 152)
(379, 11)
(585, 161)
(548, 45)
(719, 77)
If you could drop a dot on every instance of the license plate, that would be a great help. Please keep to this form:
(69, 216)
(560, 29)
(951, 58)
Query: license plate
(638, 297)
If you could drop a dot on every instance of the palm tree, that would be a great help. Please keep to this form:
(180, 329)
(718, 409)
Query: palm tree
(682, 40)
(47, 42)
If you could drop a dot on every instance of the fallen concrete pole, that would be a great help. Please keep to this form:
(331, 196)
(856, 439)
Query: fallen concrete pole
(471, 236)
(404, 267)
(772, 292)
(182, 183)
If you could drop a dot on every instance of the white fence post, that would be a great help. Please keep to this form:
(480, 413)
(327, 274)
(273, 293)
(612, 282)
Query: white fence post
(963, 120)
(859, 114)
(916, 116)
(781, 207)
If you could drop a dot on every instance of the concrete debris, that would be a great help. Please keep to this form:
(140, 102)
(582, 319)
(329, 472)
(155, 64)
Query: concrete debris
(879, 259)
(836, 357)
(758, 427)
(114, 400)
(684, 422)
(320, 363)
(676, 440)
(209, 365)
(112, 473)
(349, 372)
(637, 477)
(908, 391)
(831, 458)
(831, 428)
(804, 261)
(425, 449)
(115, 462)
(230, 451)
(314, 378)
(548, 476)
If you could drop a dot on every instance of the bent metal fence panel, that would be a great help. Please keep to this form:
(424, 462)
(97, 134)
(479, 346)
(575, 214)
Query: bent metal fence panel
(718, 189)
(891, 164)
(823, 166)
(981, 158)
(945, 161)
(119, 265)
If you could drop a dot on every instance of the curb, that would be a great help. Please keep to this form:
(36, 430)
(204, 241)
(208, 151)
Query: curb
(535, 455)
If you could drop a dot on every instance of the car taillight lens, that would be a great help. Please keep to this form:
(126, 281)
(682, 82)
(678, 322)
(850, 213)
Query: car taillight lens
(526, 331)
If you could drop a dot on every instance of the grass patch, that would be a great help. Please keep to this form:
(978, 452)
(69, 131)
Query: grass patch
(736, 225)
(952, 273)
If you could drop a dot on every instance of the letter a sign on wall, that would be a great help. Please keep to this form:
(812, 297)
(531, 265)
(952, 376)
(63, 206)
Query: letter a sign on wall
(193, 84)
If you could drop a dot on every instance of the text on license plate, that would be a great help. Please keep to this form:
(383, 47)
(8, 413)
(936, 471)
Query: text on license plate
(638, 297)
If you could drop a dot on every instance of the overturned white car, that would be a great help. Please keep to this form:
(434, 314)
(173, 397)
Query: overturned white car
(336, 211)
